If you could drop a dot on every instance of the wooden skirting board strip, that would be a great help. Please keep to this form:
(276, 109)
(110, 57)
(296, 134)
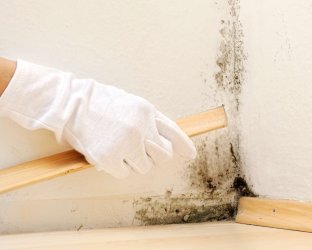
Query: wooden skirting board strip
(71, 161)
(199, 236)
(285, 214)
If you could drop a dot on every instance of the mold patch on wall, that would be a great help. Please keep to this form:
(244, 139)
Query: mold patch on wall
(215, 184)
(231, 56)
(215, 178)
(216, 165)
(182, 209)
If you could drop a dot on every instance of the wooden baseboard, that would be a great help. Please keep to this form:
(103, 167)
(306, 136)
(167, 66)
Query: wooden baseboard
(285, 214)
(199, 236)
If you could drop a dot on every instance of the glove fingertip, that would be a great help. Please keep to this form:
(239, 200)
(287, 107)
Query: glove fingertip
(182, 144)
(159, 154)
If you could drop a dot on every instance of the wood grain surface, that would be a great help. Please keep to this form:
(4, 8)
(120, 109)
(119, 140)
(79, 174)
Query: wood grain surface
(225, 235)
(286, 214)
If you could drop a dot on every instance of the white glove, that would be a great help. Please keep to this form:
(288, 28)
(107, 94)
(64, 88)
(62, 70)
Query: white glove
(115, 131)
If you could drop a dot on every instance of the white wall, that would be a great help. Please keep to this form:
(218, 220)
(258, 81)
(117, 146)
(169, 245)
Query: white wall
(276, 110)
(184, 56)
(178, 54)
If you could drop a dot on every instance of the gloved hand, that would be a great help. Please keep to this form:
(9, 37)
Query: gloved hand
(115, 131)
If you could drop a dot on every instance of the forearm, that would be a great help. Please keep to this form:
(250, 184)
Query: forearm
(7, 69)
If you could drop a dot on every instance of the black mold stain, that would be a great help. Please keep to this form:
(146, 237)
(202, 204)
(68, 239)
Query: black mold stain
(216, 165)
(234, 158)
(242, 187)
(231, 56)
(215, 177)
(182, 209)
(80, 227)
(215, 186)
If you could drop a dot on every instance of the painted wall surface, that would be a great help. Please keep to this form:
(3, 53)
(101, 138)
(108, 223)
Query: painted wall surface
(184, 56)
(276, 101)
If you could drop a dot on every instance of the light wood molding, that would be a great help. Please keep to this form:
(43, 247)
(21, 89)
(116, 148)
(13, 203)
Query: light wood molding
(199, 236)
(41, 170)
(286, 214)
(203, 122)
(71, 161)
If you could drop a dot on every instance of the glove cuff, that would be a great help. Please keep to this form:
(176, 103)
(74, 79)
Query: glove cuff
(31, 96)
